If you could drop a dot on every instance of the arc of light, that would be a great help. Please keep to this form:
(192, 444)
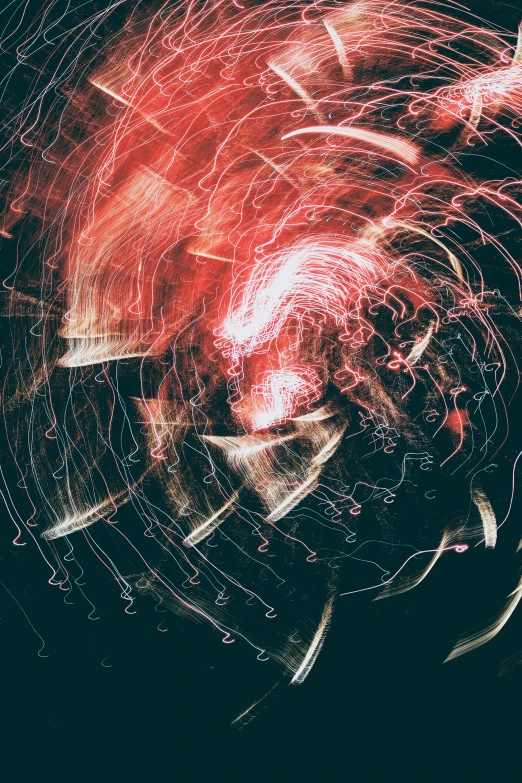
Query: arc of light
(398, 147)
(339, 48)
(210, 524)
(454, 261)
(125, 102)
(315, 647)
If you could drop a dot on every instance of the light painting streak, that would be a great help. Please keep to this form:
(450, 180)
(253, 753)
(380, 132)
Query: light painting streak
(264, 306)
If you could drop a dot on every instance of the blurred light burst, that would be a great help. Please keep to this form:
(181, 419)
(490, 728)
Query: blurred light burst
(264, 312)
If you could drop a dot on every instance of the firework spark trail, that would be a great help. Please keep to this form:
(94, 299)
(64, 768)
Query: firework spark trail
(260, 314)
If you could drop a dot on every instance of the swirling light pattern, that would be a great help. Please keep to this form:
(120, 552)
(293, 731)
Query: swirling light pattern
(253, 316)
